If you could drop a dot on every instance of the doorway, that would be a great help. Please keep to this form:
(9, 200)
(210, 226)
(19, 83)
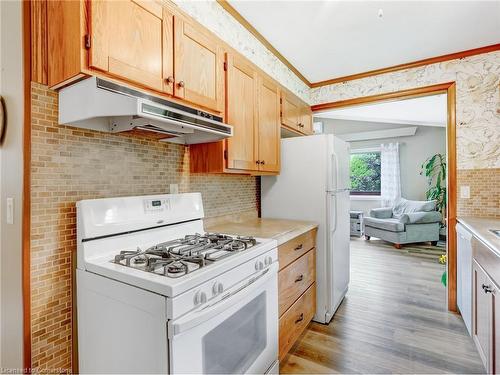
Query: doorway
(449, 90)
(390, 322)
(398, 194)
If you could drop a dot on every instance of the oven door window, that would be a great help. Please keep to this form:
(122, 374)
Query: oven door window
(234, 345)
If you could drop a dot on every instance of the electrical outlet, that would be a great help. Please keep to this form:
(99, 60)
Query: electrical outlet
(10, 210)
(174, 189)
(465, 192)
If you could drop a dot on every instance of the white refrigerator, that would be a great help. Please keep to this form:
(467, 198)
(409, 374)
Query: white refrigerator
(313, 185)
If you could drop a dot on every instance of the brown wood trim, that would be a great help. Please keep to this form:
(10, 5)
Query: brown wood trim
(386, 97)
(39, 45)
(236, 15)
(452, 198)
(450, 89)
(414, 64)
(26, 209)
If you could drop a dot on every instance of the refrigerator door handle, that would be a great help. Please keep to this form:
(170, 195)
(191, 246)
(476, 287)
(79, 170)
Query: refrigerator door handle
(334, 171)
(334, 196)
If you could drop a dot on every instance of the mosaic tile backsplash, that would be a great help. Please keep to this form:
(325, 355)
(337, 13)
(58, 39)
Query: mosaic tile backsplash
(70, 164)
(484, 198)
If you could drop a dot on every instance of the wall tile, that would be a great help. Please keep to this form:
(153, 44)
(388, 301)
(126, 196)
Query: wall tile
(484, 198)
(70, 164)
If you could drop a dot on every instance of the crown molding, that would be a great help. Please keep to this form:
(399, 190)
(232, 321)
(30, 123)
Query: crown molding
(414, 64)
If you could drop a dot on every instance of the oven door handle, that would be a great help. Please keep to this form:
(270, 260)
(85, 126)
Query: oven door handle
(230, 298)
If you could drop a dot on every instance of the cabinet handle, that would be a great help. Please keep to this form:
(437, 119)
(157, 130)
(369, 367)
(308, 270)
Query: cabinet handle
(300, 278)
(300, 318)
(257, 161)
(169, 80)
(181, 84)
(299, 247)
(262, 162)
(487, 288)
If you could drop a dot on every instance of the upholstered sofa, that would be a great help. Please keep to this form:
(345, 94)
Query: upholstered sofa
(406, 222)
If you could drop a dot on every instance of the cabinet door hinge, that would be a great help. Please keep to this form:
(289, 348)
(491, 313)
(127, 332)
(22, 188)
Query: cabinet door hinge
(225, 154)
(87, 41)
(225, 65)
(281, 101)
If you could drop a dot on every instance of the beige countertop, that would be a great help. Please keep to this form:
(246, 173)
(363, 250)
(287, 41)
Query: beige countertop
(278, 229)
(480, 228)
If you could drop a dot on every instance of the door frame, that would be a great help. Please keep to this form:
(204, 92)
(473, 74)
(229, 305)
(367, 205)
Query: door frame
(448, 88)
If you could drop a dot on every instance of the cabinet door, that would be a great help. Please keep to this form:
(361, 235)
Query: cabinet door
(481, 312)
(290, 111)
(127, 39)
(269, 126)
(306, 122)
(198, 66)
(496, 331)
(241, 113)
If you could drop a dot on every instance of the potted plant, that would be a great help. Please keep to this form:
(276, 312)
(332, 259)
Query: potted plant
(434, 169)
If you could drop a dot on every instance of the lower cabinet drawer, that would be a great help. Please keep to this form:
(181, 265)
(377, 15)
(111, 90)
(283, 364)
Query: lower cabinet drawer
(296, 247)
(295, 320)
(295, 279)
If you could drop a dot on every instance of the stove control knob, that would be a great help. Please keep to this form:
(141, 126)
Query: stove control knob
(268, 261)
(199, 298)
(217, 288)
(259, 265)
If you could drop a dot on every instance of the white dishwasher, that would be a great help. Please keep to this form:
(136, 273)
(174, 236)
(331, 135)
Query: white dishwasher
(464, 275)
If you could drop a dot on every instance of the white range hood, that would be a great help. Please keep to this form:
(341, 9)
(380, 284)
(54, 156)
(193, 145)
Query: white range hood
(101, 105)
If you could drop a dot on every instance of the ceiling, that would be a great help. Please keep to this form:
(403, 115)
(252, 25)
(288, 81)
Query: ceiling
(331, 39)
(426, 111)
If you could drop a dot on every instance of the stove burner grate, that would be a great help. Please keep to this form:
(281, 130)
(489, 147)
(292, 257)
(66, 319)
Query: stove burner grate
(179, 257)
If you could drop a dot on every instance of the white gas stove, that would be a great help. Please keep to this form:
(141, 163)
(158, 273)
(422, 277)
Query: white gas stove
(157, 294)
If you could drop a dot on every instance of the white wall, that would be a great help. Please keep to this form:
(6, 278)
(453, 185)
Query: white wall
(414, 150)
(11, 174)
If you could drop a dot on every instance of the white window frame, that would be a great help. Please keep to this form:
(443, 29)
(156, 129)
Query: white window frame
(357, 197)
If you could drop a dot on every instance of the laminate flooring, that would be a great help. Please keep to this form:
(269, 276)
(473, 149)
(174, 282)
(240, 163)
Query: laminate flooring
(393, 320)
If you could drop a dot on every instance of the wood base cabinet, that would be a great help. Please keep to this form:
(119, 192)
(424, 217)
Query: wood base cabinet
(295, 320)
(486, 306)
(296, 288)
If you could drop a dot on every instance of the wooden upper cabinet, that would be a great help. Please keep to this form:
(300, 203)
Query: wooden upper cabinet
(290, 111)
(295, 114)
(241, 88)
(66, 53)
(198, 66)
(306, 122)
(268, 125)
(127, 38)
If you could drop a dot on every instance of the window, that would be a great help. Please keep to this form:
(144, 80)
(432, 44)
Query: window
(365, 173)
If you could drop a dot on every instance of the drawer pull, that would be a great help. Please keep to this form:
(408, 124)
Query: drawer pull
(300, 318)
(299, 247)
(487, 288)
(300, 278)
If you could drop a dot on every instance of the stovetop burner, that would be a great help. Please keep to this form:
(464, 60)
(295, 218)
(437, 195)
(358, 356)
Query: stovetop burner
(184, 255)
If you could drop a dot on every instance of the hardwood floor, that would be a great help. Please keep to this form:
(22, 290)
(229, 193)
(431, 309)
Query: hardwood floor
(393, 320)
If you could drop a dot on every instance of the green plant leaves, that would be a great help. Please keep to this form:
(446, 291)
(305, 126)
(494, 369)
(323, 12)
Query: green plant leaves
(434, 168)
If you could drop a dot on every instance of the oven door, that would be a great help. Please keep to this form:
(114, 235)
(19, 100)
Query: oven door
(235, 334)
